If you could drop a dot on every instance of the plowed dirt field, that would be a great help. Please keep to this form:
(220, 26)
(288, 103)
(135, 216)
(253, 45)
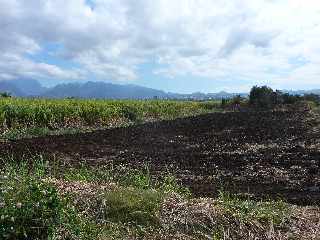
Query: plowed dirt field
(260, 154)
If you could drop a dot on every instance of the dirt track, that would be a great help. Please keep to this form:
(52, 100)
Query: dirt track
(266, 154)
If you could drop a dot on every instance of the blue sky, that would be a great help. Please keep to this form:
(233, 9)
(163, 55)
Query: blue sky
(177, 46)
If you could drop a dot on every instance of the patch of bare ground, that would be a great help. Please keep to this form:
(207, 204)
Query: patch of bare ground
(305, 223)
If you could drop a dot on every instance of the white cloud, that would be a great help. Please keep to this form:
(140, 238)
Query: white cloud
(259, 41)
(15, 66)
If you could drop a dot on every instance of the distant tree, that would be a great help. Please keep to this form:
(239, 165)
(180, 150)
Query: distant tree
(233, 103)
(263, 97)
(5, 95)
(237, 100)
(224, 102)
(278, 97)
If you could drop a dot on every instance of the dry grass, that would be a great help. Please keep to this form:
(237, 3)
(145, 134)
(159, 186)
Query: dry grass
(305, 223)
(91, 206)
(203, 218)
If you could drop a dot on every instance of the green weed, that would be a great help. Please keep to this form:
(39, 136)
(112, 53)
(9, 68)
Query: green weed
(132, 206)
(29, 207)
(274, 212)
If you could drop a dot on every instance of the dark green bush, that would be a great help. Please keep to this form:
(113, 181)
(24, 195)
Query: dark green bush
(224, 102)
(5, 95)
(130, 113)
(265, 97)
(262, 97)
(90, 114)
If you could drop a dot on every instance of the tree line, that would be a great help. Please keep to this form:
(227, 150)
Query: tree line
(266, 97)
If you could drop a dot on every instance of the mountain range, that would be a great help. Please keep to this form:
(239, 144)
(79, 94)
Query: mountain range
(100, 90)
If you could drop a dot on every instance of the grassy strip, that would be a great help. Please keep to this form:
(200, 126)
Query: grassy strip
(20, 116)
(39, 202)
(271, 212)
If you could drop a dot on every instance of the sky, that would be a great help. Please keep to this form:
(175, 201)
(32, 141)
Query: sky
(174, 45)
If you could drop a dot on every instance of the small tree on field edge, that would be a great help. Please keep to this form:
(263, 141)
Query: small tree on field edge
(263, 97)
(5, 95)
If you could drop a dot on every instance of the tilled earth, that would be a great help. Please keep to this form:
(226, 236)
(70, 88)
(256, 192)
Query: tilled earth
(258, 154)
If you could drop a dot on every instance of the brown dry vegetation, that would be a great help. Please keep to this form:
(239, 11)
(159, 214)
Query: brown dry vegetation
(205, 218)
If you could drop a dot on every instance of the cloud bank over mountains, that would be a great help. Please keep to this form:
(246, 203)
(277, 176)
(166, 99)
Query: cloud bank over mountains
(274, 42)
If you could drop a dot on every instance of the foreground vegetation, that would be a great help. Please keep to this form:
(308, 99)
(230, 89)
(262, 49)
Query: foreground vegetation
(41, 116)
(39, 202)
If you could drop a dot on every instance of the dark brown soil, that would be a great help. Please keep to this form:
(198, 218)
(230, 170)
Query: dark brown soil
(261, 154)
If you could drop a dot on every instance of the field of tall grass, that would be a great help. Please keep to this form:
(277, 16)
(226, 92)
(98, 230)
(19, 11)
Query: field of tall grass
(40, 115)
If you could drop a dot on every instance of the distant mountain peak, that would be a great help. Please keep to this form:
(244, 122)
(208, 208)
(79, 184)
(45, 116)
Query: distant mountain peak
(24, 87)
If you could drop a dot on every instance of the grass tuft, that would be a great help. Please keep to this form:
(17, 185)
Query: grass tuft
(133, 206)
(266, 212)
